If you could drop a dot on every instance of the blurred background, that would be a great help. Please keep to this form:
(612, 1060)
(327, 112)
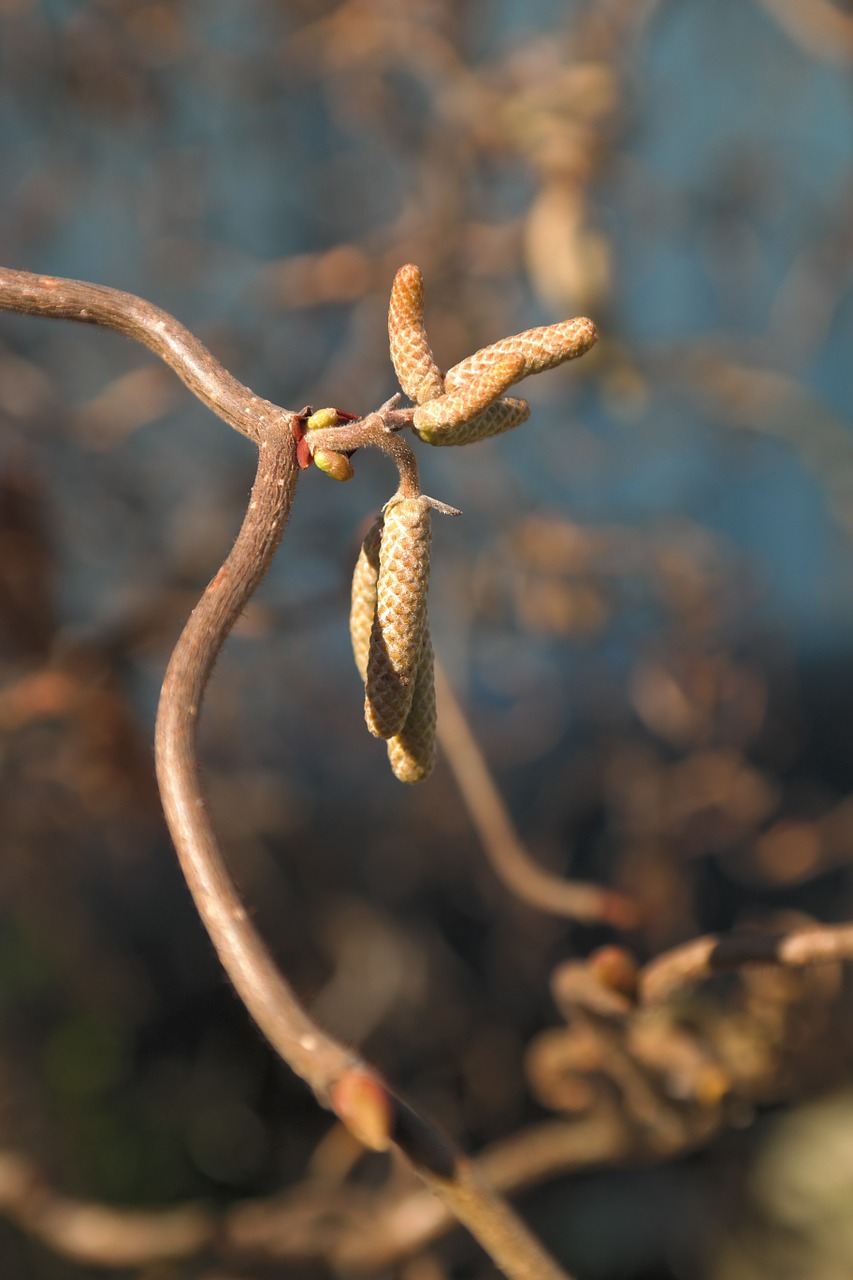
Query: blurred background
(646, 608)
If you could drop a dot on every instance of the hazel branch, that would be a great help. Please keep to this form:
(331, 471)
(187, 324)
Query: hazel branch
(339, 1078)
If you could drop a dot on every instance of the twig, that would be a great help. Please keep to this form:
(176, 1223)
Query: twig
(62, 299)
(339, 1078)
(346, 1226)
(499, 838)
(99, 1234)
(703, 958)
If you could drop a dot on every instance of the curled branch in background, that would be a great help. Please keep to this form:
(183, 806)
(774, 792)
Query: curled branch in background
(499, 838)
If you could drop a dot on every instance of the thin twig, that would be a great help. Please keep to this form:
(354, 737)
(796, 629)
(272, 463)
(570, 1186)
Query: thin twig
(499, 838)
(702, 958)
(346, 1226)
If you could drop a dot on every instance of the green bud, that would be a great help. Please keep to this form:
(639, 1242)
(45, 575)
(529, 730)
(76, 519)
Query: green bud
(336, 465)
(321, 419)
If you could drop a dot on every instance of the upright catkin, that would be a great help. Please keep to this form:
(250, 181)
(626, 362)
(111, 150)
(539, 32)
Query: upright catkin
(540, 349)
(399, 623)
(363, 601)
(411, 752)
(414, 363)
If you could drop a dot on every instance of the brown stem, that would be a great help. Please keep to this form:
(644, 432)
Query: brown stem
(335, 1073)
(378, 431)
(500, 840)
(702, 958)
(316, 1058)
(339, 1078)
(62, 299)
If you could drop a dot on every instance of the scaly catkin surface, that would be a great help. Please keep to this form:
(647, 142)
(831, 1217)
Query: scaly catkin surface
(399, 624)
(446, 414)
(412, 750)
(414, 364)
(502, 415)
(540, 349)
(363, 603)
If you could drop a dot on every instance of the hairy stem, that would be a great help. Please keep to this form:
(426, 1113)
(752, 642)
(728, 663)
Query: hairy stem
(61, 299)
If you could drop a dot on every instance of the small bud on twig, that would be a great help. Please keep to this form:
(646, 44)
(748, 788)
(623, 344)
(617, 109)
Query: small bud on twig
(363, 1104)
(322, 418)
(336, 465)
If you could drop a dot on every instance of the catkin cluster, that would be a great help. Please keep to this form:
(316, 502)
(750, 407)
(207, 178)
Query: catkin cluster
(468, 403)
(390, 635)
(388, 616)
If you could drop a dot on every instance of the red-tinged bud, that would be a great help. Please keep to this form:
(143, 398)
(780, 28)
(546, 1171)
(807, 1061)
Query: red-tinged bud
(363, 1104)
(616, 968)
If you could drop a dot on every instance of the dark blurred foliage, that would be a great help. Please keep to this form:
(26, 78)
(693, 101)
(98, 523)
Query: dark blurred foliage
(646, 606)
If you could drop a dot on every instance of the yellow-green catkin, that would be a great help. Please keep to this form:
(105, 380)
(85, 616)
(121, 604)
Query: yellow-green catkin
(399, 624)
(444, 420)
(414, 363)
(363, 602)
(412, 751)
(539, 349)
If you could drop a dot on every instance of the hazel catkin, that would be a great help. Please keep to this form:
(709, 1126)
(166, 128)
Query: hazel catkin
(399, 622)
(442, 420)
(363, 600)
(539, 349)
(411, 752)
(414, 363)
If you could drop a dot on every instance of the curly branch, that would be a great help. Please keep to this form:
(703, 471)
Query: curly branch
(501, 843)
(338, 1077)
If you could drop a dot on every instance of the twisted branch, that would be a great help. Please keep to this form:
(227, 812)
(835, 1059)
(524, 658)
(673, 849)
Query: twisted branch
(338, 1077)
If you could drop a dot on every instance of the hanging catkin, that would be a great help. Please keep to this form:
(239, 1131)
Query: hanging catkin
(414, 364)
(399, 624)
(363, 605)
(412, 750)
